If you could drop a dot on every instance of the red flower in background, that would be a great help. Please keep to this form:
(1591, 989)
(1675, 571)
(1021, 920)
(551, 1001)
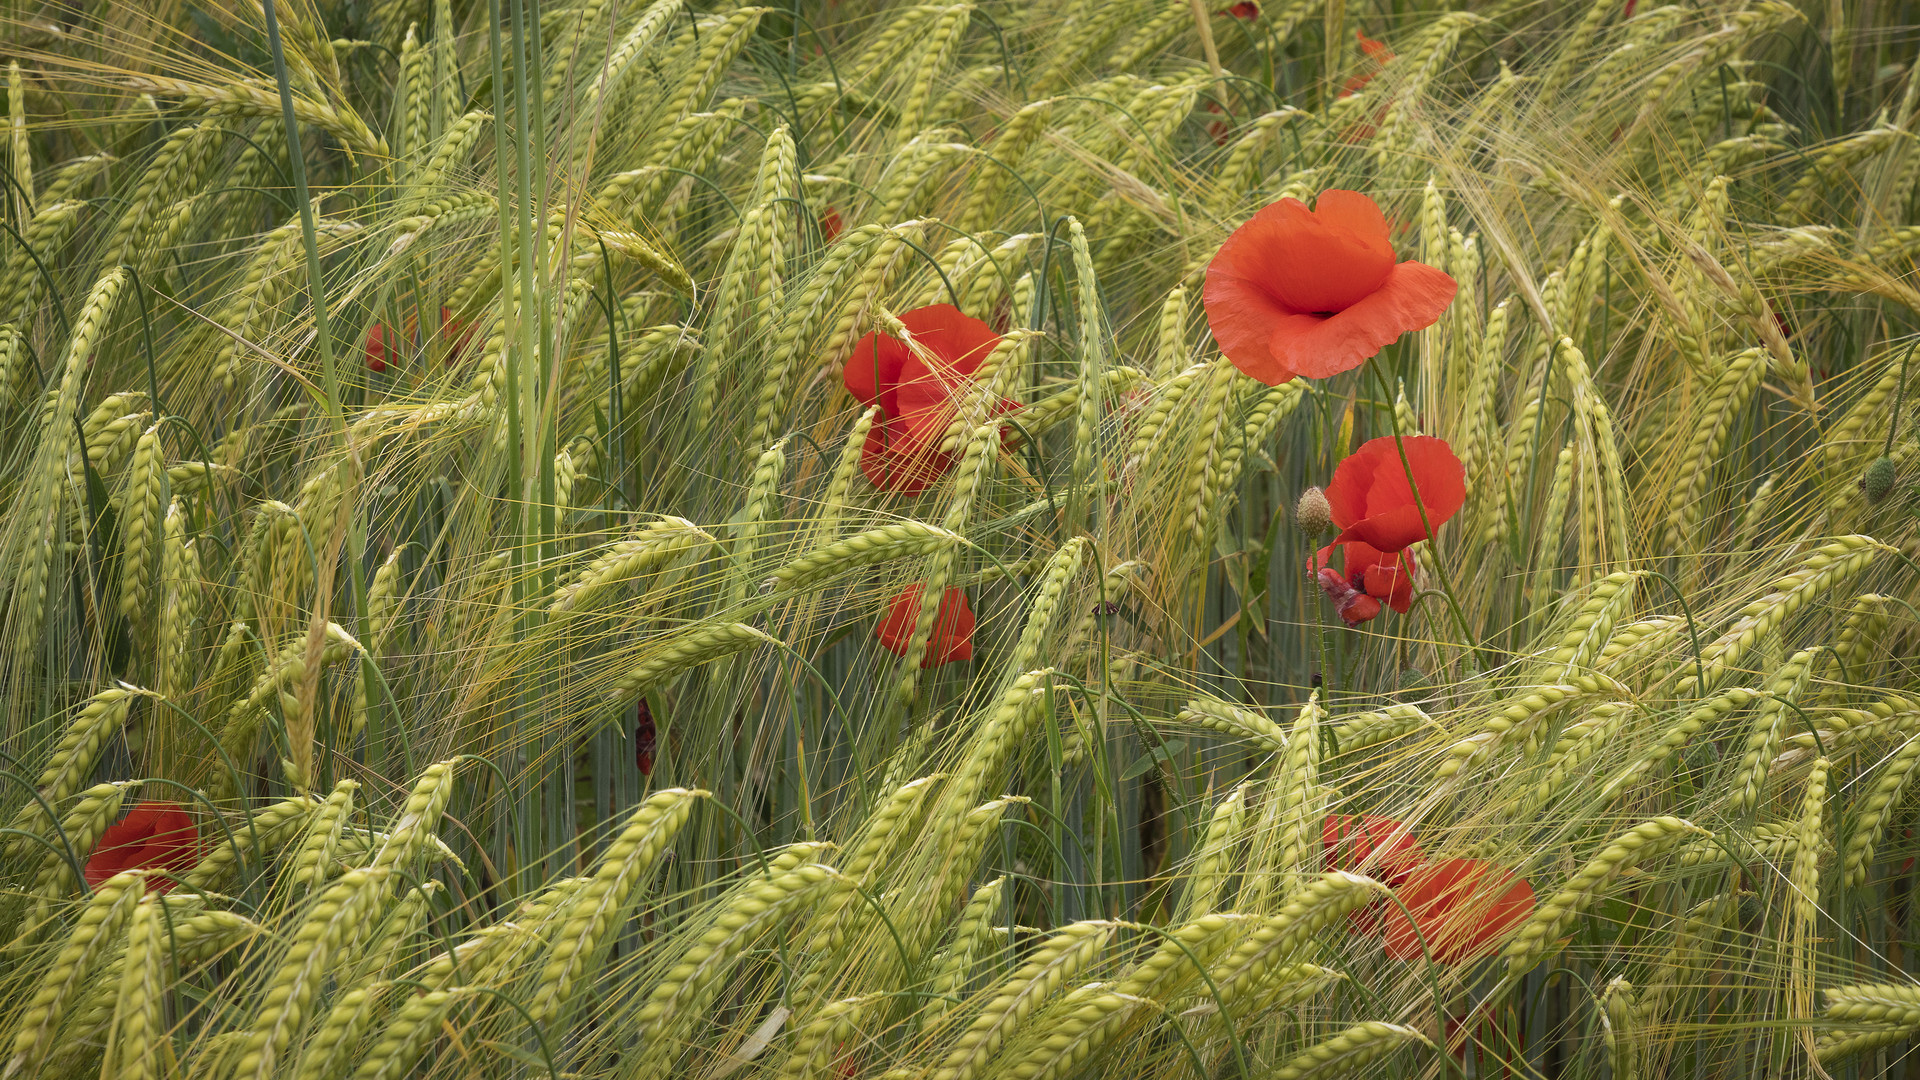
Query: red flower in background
(915, 388)
(383, 344)
(153, 836)
(1316, 292)
(1377, 54)
(1379, 847)
(952, 626)
(1245, 9)
(1373, 503)
(644, 739)
(1366, 578)
(1462, 908)
(831, 225)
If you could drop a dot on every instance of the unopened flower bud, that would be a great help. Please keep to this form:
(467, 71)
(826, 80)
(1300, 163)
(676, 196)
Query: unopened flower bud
(1877, 481)
(1312, 514)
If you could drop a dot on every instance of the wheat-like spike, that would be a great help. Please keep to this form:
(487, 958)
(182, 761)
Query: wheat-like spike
(679, 1001)
(1805, 875)
(1521, 714)
(1823, 570)
(1300, 794)
(1774, 843)
(590, 913)
(180, 605)
(266, 830)
(1714, 424)
(1577, 743)
(934, 52)
(1591, 625)
(1362, 730)
(1693, 934)
(313, 860)
(968, 479)
(1552, 531)
(1202, 464)
(699, 644)
(247, 97)
(1234, 721)
(82, 825)
(106, 911)
(1530, 942)
(1049, 966)
(901, 540)
(412, 832)
(403, 923)
(21, 282)
(973, 932)
(295, 986)
(288, 670)
(1312, 907)
(1061, 569)
(1707, 713)
(73, 757)
(1776, 713)
(330, 1051)
(1214, 861)
(1618, 1014)
(821, 1039)
(137, 1019)
(1835, 1046)
(1882, 800)
(1852, 658)
(406, 1037)
(653, 545)
(840, 485)
(1356, 1047)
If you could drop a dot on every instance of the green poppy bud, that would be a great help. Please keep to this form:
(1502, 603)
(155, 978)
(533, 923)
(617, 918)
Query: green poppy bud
(1877, 481)
(1312, 514)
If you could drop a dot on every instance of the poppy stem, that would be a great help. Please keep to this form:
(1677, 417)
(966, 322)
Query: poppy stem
(1439, 564)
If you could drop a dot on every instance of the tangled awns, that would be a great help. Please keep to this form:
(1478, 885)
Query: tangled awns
(978, 541)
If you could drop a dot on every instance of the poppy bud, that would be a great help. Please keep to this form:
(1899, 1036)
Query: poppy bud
(1313, 515)
(1877, 481)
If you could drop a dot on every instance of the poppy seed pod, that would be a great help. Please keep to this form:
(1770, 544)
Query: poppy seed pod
(1313, 515)
(1877, 481)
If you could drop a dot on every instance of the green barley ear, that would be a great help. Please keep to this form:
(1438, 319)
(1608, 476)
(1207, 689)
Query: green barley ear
(1776, 713)
(1273, 941)
(904, 540)
(1530, 943)
(1300, 795)
(1047, 968)
(1358, 1046)
(953, 968)
(295, 985)
(99, 924)
(593, 909)
(1617, 1024)
(313, 862)
(138, 1019)
(80, 744)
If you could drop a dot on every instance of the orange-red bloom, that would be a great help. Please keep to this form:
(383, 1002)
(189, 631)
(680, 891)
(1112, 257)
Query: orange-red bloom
(1316, 292)
(1372, 501)
(1462, 908)
(1379, 847)
(831, 225)
(952, 626)
(1245, 9)
(915, 388)
(153, 836)
(1365, 578)
(383, 344)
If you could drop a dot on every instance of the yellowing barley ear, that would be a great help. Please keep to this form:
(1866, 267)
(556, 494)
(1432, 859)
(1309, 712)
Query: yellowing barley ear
(100, 922)
(1356, 1047)
(295, 985)
(1551, 919)
(1046, 969)
(313, 862)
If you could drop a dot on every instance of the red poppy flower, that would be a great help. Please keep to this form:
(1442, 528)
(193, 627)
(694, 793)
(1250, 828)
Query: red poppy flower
(644, 739)
(915, 387)
(153, 836)
(380, 349)
(1366, 577)
(831, 225)
(1245, 9)
(1462, 907)
(1379, 847)
(952, 626)
(1316, 292)
(1372, 501)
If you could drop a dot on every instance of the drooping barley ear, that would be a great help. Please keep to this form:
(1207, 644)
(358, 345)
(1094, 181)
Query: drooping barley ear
(1270, 406)
(296, 982)
(1356, 1047)
(40, 503)
(902, 540)
(1214, 862)
(1299, 793)
(82, 825)
(137, 1018)
(1618, 1014)
(1708, 713)
(266, 830)
(953, 968)
(1362, 730)
(180, 605)
(1203, 463)
(1591, 625)
(1713, 424)
(93, 935)
(406, 1037)
(413, 831)
(1235, 722)
(1047, 968)
(1142, 454)
(330, 1052)
(13, 355)
(140, 506)
(1061, 569)
(1274, 939)
(820, 1041)
(283, 675)
(593, 910)
(1476, 430)
(698, 644)
(1882, 801)
(247, 97)
(1521, 714)
(22, 283)
(79, 747)
(840, 485)
(650, 546)
(1823, 570)
(934, 51)
(761, 506)
(1531, 941)
(389, 951)
(1577, 743)
(1854, 657)
(383, 599)
(313, 861)
(1552, 533)
(1805, 876)
(1775, 715)
(680, 1000)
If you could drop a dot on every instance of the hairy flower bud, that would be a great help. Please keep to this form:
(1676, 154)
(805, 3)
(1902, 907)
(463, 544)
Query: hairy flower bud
(1312, 514)
(1877, 481)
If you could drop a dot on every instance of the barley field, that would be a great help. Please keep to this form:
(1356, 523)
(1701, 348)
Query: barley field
(980, 541)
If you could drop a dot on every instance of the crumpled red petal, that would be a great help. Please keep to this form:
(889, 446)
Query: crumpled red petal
(953, 625)
(1412, 296)
(1462, 908)
(1373, 503)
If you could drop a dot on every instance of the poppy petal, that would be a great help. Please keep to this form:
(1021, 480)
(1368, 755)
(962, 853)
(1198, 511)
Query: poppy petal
(1411, 297)
(1459, 908)
(1307, 262)
(953, 624)
(873, 367)
(1243, 317)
